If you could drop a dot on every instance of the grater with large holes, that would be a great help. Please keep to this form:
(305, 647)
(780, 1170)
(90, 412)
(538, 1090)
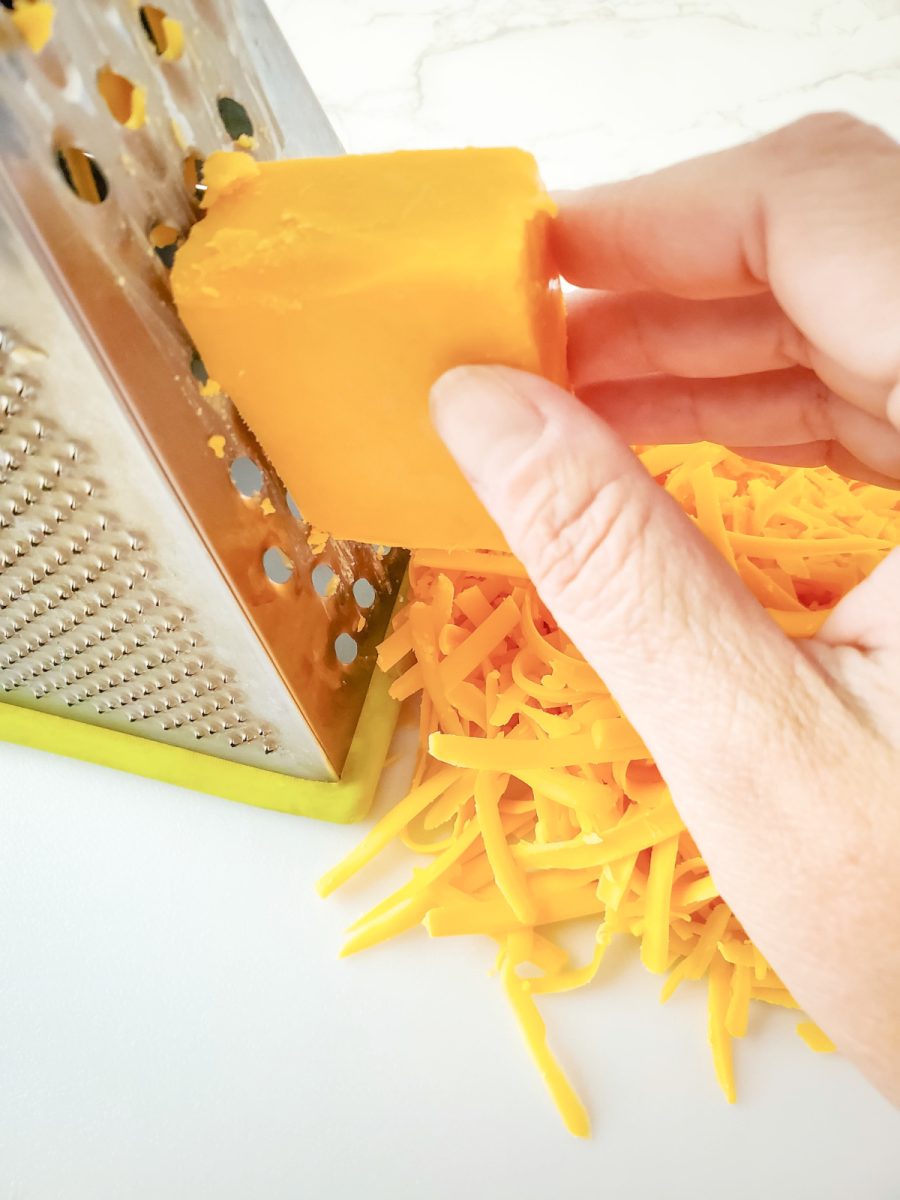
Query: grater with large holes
(164, 609)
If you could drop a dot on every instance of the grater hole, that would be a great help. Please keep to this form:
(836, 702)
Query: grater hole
(363, 593)
(324, 580)
(124, 99)
(165, 240)
(246, 476)
(198, 369)
(277, 566)
(293, 507)
(235, 119)
(192, 173)
(82, 174)
(345, 648)
(165, 34)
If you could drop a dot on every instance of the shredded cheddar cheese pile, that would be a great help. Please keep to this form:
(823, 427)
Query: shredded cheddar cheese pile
(534, 798)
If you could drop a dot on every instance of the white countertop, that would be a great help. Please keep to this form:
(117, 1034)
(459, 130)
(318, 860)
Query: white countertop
(174, 1023)
(596, 90)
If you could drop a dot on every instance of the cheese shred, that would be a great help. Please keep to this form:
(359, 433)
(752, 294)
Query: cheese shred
(536, 801)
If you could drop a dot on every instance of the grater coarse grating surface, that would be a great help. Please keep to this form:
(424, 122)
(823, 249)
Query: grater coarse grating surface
(157, 586)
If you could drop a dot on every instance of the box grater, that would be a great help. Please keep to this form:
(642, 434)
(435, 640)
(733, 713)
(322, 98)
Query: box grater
(163, 606)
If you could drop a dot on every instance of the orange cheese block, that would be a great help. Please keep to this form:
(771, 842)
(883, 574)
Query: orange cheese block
(327, 295)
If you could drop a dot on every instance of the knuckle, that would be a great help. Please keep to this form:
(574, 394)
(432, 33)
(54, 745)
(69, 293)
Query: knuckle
(815, 409)
(586, 540)
(821, 139)
(822, 129)
(642, 323)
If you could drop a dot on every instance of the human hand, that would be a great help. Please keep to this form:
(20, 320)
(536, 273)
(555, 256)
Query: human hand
(783, 758)
(753, 300)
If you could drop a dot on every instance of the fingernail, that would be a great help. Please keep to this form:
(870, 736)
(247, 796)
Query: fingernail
(485, 418)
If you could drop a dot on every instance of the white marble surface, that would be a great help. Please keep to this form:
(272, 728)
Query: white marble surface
(597, 90)
(173, 1022)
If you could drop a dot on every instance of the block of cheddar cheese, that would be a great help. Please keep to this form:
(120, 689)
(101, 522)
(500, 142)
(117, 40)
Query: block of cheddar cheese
(326, 296)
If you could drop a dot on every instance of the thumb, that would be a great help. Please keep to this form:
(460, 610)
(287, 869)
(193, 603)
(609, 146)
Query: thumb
(688, 653)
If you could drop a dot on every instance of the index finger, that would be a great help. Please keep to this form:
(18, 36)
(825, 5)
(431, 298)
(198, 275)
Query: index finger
(697, 229)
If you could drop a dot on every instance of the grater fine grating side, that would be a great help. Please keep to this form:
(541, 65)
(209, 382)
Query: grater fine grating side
(155, 579)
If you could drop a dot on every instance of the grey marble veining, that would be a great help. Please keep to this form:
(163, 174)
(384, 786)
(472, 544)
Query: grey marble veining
(595, 90)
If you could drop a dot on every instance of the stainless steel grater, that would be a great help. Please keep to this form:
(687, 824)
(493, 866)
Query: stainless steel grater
(154, 576)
